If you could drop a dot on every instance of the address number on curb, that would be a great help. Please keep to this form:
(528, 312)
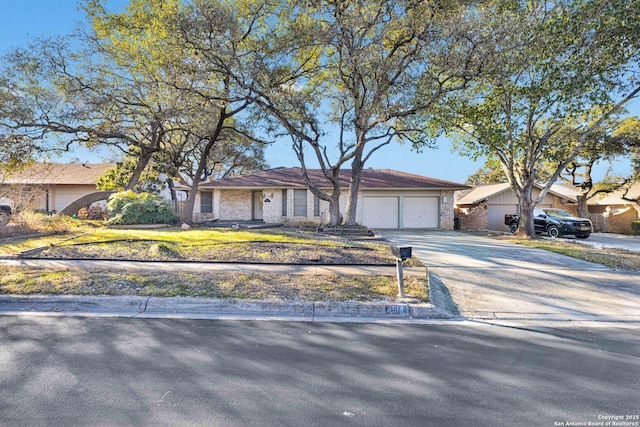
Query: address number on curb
(395, 309)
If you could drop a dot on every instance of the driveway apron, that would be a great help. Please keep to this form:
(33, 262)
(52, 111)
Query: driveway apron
(484, 278)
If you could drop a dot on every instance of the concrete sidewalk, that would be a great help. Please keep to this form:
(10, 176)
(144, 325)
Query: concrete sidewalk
(206, 308)
(483, 278)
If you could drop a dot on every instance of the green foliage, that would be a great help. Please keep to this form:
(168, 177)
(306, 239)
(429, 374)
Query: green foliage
(635, 226)
(489, 173)
(543, 95)
(127, 208)
(116, 179)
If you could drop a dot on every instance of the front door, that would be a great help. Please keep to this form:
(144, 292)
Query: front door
(257, 205)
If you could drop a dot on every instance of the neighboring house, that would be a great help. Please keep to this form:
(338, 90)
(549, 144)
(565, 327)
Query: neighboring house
(49, 187)
(612, 214)
(387, 199)
(484, 206)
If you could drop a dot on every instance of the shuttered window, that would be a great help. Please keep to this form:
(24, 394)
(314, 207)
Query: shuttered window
(206, 202)
(299, 202)
(284, 202)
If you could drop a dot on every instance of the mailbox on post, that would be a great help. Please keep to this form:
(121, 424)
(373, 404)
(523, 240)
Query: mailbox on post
(401, 252)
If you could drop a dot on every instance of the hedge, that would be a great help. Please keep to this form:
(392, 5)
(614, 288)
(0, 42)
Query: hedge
(127, 207)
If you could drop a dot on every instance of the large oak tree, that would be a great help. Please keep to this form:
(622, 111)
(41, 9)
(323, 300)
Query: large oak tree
(562, 68)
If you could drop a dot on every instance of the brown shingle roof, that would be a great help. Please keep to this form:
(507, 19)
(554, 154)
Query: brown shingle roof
(615, 198)
(480, 193)
(59, 174)
(292, 178)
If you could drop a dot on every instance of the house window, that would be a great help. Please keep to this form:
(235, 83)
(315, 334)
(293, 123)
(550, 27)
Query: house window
(284, 202)
(316, 206)
(299, 202)
(206, 202)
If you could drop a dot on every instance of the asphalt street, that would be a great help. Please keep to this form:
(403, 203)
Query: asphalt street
(75, 371)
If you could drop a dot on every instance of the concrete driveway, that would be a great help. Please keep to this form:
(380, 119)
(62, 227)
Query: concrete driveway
(484, 278)
(608, 240)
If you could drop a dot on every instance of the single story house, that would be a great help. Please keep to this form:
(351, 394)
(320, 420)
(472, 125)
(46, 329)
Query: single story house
(613, 214)
(483, 207)
(49, 187)
(387, 199)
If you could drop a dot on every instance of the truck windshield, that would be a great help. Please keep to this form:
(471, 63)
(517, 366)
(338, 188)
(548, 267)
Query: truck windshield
(557, 213)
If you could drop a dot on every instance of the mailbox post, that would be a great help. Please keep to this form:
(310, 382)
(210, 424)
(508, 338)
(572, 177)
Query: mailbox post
(401, 254)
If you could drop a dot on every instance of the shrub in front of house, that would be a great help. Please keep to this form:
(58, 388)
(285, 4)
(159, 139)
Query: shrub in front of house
(28, 222)
(128, 208)
(635, 226)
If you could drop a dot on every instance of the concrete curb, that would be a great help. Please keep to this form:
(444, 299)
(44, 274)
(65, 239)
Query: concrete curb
(203, 308)
(206, 308)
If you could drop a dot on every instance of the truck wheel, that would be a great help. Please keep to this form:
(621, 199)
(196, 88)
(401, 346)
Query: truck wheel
(554, 232)
(513, 227)
(4, 217)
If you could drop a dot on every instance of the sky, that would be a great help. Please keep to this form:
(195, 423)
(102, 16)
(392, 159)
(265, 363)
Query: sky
(21, 20)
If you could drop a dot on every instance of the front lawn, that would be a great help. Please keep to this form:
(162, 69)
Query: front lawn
(261, 286)
(279, 246)
(218, 245)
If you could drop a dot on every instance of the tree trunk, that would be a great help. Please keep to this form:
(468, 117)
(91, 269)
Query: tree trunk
(143, 161)
(334, 207)
(172, 190)
(526, 226)
(583, 210)
(191, 202)
(354, 188)
(202, 163)
(333, 198)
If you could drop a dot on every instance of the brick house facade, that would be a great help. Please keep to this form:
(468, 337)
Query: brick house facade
(387, 199)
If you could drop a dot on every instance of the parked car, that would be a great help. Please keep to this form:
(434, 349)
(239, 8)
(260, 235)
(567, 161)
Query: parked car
(554, 222)
(6, 210)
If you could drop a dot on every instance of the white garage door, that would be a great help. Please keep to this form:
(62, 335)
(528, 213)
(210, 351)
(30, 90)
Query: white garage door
(66, 196)
(420, 212)
(496, 216)
(380, 212)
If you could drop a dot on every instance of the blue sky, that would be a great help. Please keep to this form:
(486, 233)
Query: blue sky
(22, 19)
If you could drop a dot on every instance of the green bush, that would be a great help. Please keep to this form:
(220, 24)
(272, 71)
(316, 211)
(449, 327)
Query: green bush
(635, 226)
(127, 207)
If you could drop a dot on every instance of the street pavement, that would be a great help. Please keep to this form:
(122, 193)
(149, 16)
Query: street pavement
(484, 278)
(176, 372)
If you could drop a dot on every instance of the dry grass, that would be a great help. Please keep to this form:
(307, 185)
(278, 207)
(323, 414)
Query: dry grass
(264, 246)
(30, 223)
(219, 285)
(220, 245)
(613, 258)
(243, 251)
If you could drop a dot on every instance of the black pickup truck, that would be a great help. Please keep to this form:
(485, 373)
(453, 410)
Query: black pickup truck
(6, 209)
(553, 222)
